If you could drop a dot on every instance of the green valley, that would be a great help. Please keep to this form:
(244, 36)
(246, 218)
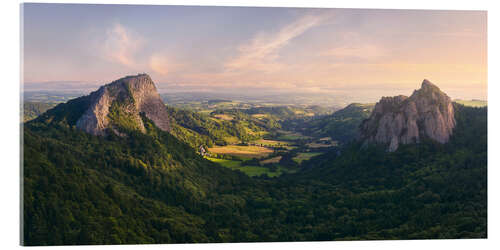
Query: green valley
(266, 174)
(180, 124)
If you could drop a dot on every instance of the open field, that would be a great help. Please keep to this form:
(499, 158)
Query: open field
(472, 103)
(260, 116)
(271, 143)
(271, 160)
(206, 111)
(224, 117)
(303, 112)
(321, 145)
(248, 170)
(257, 133)
(304, 156)
(274, 143)
(242, 151)
(226, 163)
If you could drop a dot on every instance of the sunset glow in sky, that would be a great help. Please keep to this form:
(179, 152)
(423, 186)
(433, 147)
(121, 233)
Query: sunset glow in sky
(275, 49)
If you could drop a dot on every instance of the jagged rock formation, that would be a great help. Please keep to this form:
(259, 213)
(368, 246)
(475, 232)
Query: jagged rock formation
(119, 105)
(428, 112)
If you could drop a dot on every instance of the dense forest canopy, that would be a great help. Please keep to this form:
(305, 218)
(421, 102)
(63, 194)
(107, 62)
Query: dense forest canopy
(155, 188)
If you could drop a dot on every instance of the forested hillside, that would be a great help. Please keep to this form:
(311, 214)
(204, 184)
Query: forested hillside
(153, 188)
(425, 190)
(200, 129)
(32, 110)
(143, 188)
(341, 126)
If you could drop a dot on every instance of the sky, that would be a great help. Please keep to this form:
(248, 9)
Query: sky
(243, 49)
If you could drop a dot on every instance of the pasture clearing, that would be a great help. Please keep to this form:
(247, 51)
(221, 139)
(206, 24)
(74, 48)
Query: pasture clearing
(242, 151)
(304, 156)
(248, 170)
(271, 143)
(276, 159)
(224, 117)
(322, 145)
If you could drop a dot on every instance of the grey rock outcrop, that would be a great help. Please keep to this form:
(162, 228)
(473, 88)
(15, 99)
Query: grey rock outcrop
(132, 96)
(428, 112)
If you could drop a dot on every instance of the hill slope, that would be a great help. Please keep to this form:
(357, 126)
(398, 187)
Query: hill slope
(426, 190)
(342, 125)
(146, 186)
(32, 110)
(134, 186)
(200, 129)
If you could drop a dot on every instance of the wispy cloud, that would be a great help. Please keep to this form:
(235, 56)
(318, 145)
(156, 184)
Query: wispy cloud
(121, 44)
(261, 52)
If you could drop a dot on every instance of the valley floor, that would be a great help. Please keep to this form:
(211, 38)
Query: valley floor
(307, 183)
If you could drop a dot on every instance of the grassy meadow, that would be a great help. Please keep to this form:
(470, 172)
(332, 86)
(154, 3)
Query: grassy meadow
(271, 143)
(248, 170)
(304, 156)
(291, 136)
(242, 151)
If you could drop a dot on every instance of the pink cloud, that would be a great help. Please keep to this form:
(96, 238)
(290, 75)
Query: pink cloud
(163, 66)
(121, 44)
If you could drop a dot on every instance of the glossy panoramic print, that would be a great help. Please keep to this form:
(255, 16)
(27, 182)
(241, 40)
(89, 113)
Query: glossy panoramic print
(146, 124)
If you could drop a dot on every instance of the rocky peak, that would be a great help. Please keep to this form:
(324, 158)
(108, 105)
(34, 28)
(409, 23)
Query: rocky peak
(118, 105)
(389, 102)
(428, 112)
(428, 85)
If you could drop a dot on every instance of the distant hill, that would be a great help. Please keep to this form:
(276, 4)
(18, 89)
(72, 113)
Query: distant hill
(134, 186)
(32, 110)
(472, 103)
(280, 112)
(342, 125)
(216, 101)
(440, 187)
(201, 129)
(146, 186)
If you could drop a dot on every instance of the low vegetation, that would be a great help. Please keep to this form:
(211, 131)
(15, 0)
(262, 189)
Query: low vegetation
(251, 171)
(32, 110)
(242, 151)
(472, 103)
(153, 187)
(304, 156)
(200, 129)
(341, 126)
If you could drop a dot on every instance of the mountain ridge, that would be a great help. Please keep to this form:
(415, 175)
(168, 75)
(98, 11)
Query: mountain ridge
(119, 105)
(153, 188)
(428, 112)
